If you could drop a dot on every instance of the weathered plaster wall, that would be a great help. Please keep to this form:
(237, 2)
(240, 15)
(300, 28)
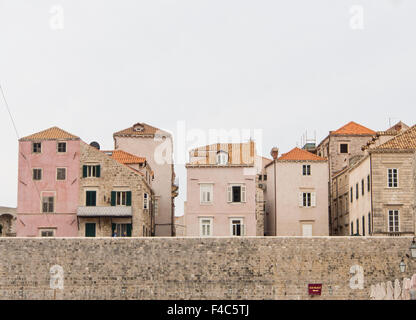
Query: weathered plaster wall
(195, 268)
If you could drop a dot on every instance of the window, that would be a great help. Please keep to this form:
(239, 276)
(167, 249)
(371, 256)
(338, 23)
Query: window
(47, 204)
(237, 227)
(121, 198)
(205, 193)
(61, 147)
(393, 220)
(343, 148)
(36, 147)
(222, 157)
(369, 223)
(368, 183)
(91, 198)
(306, 170)
(393, 178)
(363, 225)
(351, 195)
(122, 229)
(37, 174)
(91, 171)
(60, 173)
(47, 232)
(265, 177)
(308, 199)
(352, 228)
(205, 227)
(306, 230)
(356, 191)
(145, 201)
(362, 186)
(236, 193)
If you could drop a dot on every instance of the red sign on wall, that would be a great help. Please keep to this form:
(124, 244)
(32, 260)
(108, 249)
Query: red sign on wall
(315, 289)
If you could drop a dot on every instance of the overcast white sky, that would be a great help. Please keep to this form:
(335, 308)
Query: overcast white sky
(281, 66)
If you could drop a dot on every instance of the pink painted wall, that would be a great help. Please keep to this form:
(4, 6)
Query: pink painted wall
(30, 217)
(220, 210)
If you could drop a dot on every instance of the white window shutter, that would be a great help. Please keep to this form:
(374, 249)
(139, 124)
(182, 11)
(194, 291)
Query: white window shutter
(243, 193)
(229, 194)
(300, 199)
(313, 199)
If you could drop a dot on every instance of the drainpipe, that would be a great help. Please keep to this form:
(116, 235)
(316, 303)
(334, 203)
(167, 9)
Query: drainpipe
(371, 195)
(274, 153)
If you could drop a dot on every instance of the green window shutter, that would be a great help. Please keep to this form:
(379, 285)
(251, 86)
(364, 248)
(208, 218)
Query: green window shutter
(129, 230)
(113, 229)
(98, 171)
(113, 198)
(84, 171)
(128, 199)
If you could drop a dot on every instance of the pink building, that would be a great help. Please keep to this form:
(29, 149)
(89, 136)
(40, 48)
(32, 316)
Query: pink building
(48, 184)
(297, 194)
(223, 192)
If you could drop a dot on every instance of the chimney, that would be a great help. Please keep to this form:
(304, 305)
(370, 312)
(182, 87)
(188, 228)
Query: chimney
(274, 153)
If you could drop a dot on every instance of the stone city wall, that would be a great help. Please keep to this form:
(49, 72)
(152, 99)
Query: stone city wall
(200, 268)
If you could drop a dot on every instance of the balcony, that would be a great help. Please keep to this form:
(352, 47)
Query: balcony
(121, 211)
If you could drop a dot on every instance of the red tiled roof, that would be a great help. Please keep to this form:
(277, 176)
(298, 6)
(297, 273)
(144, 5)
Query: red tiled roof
(352, 128)
(404, 141)
(53, 133)
(300, 154)
(125, 157)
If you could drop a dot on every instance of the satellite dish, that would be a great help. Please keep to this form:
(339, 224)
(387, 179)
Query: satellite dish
(95, 144)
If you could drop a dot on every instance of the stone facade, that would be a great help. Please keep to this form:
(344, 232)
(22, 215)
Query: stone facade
(200, 268)
(114, 177)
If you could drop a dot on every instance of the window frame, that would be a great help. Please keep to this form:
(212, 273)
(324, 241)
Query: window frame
(33, 174)
(230, 192)
(306, 170)
(394, 211)
(53, 204)
(344, 144)
(33, 147)
(209, 191)
(52, 230)
(392, 177)
(221, 158)
(57, 146)
(242, 226)
(145, 200)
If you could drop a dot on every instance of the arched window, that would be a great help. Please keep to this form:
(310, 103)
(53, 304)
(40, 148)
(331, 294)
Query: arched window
(222, 157)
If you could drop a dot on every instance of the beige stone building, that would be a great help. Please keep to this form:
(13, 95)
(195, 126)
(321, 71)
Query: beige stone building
(340, 146)
(156, 146)
(115, 194)
(296, 194)
(7, 222)
(376, 204)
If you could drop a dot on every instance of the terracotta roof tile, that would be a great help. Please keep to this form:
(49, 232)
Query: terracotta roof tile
(297, 154)
(404, 141)
(139, 129)
(352, 128)
(53, 133)
(125, 157)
